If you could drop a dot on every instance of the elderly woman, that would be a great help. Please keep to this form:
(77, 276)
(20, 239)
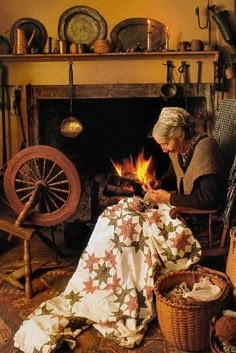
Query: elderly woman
(131, 245)
(196, 163)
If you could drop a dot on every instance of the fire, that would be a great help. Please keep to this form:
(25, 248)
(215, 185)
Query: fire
(136, 168)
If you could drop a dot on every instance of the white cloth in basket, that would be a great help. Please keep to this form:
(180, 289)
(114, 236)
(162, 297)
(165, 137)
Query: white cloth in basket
(204, 290)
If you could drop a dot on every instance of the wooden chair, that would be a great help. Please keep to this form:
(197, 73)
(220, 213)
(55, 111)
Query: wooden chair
(225, 134)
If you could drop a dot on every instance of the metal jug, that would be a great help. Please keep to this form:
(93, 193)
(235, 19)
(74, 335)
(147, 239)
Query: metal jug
(222, 20)
(21, 44)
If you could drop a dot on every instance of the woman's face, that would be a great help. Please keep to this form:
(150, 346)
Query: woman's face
(171, 145)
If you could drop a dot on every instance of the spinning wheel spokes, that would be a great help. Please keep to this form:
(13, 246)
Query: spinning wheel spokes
(39, 170)
(46, 175)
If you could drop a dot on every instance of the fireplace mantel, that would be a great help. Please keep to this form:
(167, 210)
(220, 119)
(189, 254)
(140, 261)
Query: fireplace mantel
(204, 55)
(107, 68)
(117, 90)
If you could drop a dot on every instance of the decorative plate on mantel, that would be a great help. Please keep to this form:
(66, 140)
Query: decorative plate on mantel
(126, 34)
(81, 24)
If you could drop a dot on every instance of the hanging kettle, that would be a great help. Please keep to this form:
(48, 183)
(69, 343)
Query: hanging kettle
(21, 45)
(71, 126)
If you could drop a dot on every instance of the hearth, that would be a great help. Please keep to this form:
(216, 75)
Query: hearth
(117, 122)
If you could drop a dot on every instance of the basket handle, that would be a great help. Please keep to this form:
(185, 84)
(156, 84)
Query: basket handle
(200, 268)
(233, 232)
(233, 238)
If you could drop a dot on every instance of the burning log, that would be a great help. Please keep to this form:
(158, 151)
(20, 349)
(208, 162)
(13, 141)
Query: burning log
(122, 186)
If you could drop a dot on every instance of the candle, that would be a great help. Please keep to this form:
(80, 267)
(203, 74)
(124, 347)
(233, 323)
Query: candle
(167, 38)
(149, 36)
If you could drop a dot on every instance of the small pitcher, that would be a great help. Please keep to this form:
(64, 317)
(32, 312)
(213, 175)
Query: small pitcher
(21, 44)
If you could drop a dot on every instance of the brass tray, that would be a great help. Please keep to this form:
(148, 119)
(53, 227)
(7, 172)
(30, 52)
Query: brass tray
(126, 34)
(81, 24)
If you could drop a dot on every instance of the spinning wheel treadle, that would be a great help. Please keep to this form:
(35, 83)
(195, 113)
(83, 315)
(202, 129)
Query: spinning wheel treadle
(47, 179)
(43, 187)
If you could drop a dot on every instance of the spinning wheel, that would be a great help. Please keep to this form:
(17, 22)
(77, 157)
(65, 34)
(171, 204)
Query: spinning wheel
(41, 183)
(43, 187)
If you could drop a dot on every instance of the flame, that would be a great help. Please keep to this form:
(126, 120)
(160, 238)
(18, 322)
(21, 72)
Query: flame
(137, 168)
(117, 167)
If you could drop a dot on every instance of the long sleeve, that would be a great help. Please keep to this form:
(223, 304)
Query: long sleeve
(208, 193)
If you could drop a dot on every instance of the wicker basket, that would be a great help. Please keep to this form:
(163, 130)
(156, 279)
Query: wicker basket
(185, 323)
(231, 259)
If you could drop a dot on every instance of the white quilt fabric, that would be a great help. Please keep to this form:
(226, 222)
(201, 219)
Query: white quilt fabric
(112, 287)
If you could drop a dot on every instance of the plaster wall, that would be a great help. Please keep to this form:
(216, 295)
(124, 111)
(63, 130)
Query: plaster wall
(179, 16)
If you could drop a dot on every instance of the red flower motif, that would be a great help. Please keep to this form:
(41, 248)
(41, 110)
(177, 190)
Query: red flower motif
(153, 217)
(115, 283)
(90, 262)
(132, 304)
(89, 287)
(109, 257)
(128, 227)
(148, 259)
(180, 241)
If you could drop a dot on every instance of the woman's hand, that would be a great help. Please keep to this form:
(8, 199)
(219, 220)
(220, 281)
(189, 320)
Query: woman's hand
(158, 196)
(152, 184)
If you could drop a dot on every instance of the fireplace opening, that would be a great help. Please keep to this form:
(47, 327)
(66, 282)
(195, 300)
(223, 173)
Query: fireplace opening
(113, 129)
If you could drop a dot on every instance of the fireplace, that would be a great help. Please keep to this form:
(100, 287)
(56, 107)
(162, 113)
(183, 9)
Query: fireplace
(117, 122)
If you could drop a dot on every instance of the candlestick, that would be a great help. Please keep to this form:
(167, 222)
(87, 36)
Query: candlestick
(167, 39)
(149, 36)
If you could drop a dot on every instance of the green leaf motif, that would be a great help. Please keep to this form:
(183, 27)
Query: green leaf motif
(169, 228)
(118, 244)
(121, 296)
(76, 323)
(73, 297)
(46, 311)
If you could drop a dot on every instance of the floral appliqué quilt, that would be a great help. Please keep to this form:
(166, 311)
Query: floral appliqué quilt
(112, 287)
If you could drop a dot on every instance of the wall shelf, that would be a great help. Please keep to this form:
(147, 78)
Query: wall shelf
(15, 58)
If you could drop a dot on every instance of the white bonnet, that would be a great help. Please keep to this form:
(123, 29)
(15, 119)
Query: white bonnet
(174, 116)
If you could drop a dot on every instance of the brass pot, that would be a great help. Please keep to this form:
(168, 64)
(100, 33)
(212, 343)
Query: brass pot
(168, 90)
(71, 126)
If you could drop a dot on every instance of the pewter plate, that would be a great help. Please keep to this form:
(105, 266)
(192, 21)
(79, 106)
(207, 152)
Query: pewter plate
(126, 34)
(29, 25)
(81, 24)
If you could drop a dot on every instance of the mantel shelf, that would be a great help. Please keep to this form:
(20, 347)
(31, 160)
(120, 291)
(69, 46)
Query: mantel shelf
(15, 58)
